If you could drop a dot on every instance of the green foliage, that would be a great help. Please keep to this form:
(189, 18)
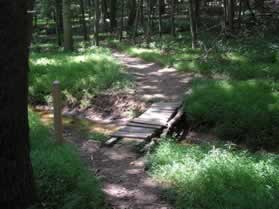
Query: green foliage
(62, 180)
(244, 111)
(236, 59)
(216, 177)
(82, 75)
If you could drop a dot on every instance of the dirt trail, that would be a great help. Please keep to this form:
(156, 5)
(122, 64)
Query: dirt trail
(121, 169)
(154, 82)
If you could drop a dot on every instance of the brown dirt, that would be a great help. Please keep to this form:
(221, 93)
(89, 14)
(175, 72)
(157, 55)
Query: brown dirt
(125, 183)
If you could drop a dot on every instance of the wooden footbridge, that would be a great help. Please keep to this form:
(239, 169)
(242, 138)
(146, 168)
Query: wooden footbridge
(159, 118)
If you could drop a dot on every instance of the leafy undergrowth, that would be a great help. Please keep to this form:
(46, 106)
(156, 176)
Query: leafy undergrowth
(62, 180)
(82, 75)
(216, 177)
(241, 59)
(243, 111)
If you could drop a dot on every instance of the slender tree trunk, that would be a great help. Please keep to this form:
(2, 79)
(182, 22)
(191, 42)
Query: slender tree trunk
(240, 13)
(231, 14)
(122, 21)
(137, 20)
(67, 25)
(148, 31)
(16, 179)
(132, 13)
(58, 18)
(83, 21)
(193, 23)
(197, 12)
(173, 7)
(162, 6)
(226, 12)
(113, 11)
(142, 14)
(88, 9)
(160, 17)
(97, 21)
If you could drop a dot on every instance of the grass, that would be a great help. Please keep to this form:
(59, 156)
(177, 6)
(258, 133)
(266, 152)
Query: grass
(63, 181)
(82, 74)
(240, 59)
(216, 177)
(243, 111)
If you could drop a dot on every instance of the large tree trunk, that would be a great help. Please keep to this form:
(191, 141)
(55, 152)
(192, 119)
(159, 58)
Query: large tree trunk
(16, 179)
(67, 25)
(97, 21)
(59, 20)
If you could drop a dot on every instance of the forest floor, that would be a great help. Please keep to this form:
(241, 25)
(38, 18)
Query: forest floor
(121, 167)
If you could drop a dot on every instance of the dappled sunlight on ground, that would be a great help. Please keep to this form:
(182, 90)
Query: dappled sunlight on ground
(122, 171)
(154, 82)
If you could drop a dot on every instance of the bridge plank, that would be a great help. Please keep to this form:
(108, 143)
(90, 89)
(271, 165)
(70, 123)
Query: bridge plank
(135, 132)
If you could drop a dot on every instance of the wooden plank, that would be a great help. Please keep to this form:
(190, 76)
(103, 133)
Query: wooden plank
(154, 118)
(111, 141)
(135, 132)
(144, 125)
(150, 121)
(167, 105)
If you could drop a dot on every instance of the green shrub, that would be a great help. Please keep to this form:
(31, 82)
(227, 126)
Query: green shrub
(245, 111)
(62, 180)
(82, 75)
(216, 177)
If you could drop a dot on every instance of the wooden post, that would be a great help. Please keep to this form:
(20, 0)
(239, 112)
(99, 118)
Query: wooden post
(57, 110)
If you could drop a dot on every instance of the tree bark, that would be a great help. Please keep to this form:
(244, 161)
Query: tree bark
(160, 17)
(132, 13)
(231, 14)
(193, 23)
(97, 21)
(122, 21)
(83, 21)
(113, 11)
(16, 179)
(148, 31)
(137, 20)
(59, 19)
(67, 25)
(173, 7)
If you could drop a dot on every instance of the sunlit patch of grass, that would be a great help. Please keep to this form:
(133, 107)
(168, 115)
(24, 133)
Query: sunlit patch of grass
(82, 75)
(216, 177)
(150, 55)
(62, 180)
(236, 59)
